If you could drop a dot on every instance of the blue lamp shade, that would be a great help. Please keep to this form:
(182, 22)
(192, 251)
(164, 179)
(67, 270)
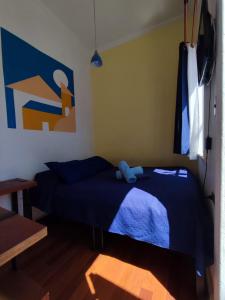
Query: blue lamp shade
(96, 60)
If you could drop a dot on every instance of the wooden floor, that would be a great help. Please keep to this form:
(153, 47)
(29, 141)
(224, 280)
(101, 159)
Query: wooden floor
(126, 270)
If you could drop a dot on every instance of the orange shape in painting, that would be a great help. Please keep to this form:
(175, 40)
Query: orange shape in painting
(66, 96)
(68, 123)
(33, 119)
(65, 90)
(35, 86)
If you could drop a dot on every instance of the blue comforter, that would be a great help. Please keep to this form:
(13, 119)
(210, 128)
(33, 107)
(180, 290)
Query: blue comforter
(165, 208)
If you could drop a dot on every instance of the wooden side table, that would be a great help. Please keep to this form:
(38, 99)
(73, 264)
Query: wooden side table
(13, 187)
(16, 235)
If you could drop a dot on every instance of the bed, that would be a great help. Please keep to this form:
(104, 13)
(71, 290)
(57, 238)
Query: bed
(165, 208)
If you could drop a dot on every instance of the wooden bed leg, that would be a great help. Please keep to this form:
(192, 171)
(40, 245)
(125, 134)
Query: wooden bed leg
(93, 238)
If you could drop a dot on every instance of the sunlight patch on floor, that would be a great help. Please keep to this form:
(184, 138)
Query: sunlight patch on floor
(137, 282)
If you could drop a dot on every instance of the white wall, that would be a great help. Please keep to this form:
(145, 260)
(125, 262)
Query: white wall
(219, 274)
(210, 179)
(211, 169)
(210, 183)
(23, 152)
(216, 163)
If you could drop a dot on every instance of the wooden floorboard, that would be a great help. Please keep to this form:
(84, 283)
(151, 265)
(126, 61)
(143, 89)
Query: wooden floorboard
(64, 264)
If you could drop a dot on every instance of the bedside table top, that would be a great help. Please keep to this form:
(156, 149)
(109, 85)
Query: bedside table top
(15, 185)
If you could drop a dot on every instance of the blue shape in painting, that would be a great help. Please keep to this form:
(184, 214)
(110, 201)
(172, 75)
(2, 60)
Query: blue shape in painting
(43, 107)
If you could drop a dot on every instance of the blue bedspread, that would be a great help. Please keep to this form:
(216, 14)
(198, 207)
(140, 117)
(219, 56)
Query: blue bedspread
(165, 209)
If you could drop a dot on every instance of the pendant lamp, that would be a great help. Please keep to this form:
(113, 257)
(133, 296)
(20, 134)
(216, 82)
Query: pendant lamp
(96, 59)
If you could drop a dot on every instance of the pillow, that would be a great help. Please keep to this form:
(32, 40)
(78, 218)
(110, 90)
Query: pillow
(65, 170)
(94, 165)
(76, 170)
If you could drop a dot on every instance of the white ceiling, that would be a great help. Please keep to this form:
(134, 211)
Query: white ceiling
(116, 19)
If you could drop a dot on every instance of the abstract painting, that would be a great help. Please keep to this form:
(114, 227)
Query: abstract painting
(39, 90)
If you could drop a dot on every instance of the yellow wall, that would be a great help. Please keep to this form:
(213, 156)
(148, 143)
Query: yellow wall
(134, 99)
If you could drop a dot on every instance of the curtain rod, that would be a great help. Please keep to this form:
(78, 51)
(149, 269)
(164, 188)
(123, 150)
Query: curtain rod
(185, 20)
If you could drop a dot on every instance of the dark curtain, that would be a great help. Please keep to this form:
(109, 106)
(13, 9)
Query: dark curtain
(181, 132)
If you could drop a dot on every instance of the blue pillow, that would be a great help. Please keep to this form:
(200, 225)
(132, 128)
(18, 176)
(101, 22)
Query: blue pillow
(65, 170)
(76, 170)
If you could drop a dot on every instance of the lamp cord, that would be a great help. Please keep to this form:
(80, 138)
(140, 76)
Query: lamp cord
(95, 38)
(193, 23)
(185, 20)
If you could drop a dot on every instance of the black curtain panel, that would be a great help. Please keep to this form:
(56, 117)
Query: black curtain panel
(181, 132)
